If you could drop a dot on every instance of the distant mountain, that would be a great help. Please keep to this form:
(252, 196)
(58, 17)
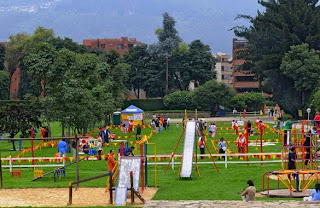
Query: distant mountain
(207, 20)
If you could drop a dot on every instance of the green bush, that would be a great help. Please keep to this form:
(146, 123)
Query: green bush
(149, 104)
(252, 101)
(179, 100)
(5, 102)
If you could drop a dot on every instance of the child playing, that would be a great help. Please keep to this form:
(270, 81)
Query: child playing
(177, 126)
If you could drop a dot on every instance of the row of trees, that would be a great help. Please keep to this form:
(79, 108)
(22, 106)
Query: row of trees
(79, 87)
(212, 95)
(170, 64)
(72, 86)
(283, 51)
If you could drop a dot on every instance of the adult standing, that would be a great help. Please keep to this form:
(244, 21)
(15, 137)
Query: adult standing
(168, 123)
(241, 143)
(138, 134)
(105, 134)
(307, 145)
(43, 132)
(62, 148)
(222, 147)
(234, 112)
(99, 148)
(244, 113)
(111, 161)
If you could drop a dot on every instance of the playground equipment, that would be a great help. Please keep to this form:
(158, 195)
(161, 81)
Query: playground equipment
(57, 172)
(128, 180)
(307, 170)
(186, 163)
(190, 130)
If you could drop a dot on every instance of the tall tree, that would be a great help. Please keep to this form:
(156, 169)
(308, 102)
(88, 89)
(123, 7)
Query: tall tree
(2, 56)
(138, 59)
(212, 94)
(168, 40)
(4, 85)
(15, 118)
(201, 63)
(283, 24)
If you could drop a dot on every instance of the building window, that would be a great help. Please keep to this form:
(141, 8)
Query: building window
(225, 68)
(225, 60)
(119, 46)
(245, 79)
(226, 77)
(103, 46)
(130, 45)
(243, 90)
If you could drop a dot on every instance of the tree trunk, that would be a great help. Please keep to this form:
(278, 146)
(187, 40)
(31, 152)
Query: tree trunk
(167, 77)
(48, 122)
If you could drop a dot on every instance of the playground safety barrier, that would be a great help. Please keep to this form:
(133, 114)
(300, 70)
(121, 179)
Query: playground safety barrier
(225, 161)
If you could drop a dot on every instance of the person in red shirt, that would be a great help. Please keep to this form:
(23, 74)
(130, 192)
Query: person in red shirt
(111, 161)
(241, 143)
(317, 121)
(262, 127)
(43, 132)
(130, 130)
(244, 113)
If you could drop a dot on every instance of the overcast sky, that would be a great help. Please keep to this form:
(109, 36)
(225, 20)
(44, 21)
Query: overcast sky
(207, 20)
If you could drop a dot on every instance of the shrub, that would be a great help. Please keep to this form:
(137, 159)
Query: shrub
(149, 104)
(179, 100)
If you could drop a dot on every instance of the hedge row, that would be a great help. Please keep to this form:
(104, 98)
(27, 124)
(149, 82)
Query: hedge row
(149, 104)
(5, 102)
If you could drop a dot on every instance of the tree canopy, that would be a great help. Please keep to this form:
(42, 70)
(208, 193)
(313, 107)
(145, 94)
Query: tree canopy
(283, 24)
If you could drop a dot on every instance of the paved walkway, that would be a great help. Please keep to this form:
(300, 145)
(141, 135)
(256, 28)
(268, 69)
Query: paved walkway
(230, 204)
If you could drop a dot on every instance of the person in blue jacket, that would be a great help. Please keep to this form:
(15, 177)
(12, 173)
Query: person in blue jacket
(62, 148)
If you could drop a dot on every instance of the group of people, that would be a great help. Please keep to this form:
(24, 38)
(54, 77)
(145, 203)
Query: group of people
(160, 123)
(33, 131)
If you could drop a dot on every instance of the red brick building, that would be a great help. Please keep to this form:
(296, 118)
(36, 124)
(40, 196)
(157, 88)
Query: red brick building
(243, 79)
(121, 45)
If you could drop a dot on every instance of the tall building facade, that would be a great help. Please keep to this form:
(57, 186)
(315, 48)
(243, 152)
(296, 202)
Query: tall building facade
(121, 45)
(243, 79)
(223, 68)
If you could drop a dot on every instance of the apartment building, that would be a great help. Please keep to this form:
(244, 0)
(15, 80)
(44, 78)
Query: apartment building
(243, 79)
(223, 68)
(121, 45)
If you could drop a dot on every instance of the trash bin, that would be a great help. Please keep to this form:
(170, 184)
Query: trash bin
(116, 118)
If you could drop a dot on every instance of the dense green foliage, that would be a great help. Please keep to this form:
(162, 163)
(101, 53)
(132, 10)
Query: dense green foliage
(18, 117)
(179, 100)
(283, 24)
(248, 101)
(4, 85)
(211, 95)
(149, 104)
(2, 56)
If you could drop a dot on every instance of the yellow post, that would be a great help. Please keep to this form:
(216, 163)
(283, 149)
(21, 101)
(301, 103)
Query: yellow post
(196, 114)
(155, 163)
(185, 113)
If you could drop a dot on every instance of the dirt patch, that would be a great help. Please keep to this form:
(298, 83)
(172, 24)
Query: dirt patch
(59, 197)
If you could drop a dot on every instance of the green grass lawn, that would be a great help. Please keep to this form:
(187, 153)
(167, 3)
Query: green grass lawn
(211, 185)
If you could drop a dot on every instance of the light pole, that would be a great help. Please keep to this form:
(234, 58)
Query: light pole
(308, 111)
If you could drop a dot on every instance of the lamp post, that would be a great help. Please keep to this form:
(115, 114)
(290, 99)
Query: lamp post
(308, 111)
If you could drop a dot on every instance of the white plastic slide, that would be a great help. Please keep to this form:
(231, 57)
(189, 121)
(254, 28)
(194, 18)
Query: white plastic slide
(187, 157)
(127, 164)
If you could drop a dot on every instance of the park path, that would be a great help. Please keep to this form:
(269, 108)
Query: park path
(229, 204)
